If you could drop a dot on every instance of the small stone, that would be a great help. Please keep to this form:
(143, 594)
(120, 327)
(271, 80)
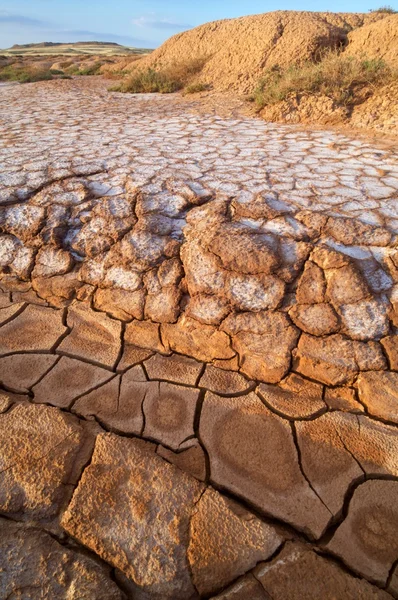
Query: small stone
(23, 220)
(390, 345)
(59, 290)
(299, 573)
(346, 285)
(224, 382)
(120, 304)
(252, 454)
(254, 292)
(192, 460)
(207, 309)
(225, 542)
(36, 328)
(379, 393)
(264, 342)
(20, 371)
(163, 307)
(67, 380)
(33, 564)
(365, 320)
(312, 285)
(174, 368)
(327, 258)
(143, 334)
(294, 398)
(369, 356)
(334, 360)
(202, 270)
(52, 261)
(203, 342)
(316, 319)
(42, 450)
(169, 413)
(344, 399)
(94, 336)
(244, 253)
(352, 232)
(367, 539)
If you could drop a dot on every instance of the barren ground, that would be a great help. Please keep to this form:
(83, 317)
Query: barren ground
(198, 352)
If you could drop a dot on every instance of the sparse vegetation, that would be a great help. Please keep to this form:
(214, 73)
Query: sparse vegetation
(336, 75)
(24, 73)
(163, 81)
(194, 88)
(148, 82)
(92, 69)
(384, 9)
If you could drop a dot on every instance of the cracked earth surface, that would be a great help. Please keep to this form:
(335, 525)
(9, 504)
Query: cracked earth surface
(198, 353)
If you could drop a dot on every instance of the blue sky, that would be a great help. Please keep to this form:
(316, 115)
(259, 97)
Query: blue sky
(144, 24)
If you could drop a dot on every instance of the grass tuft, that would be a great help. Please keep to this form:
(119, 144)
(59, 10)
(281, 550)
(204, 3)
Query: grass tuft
(384, 9)
(335, 75)
(94, 69)
(194, 88)
(163, 81)
(25, 74)
(148, 82)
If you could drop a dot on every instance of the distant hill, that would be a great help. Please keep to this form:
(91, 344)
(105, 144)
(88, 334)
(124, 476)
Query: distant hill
(67, 49)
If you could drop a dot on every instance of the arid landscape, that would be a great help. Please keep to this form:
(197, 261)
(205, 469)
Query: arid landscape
(46, 61)
(199, 313)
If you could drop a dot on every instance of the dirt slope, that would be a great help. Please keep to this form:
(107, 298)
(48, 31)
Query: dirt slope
(376, 40)
(238, 50)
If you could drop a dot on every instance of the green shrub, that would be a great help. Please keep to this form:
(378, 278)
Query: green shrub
(194, 88)
(89, 70)
(24, 74)
(163, 81)
(149, 81)
(384, 9)
(336, 75)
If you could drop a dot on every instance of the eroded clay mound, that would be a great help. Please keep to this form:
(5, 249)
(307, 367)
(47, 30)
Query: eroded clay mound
(238, 50)
(375, 40)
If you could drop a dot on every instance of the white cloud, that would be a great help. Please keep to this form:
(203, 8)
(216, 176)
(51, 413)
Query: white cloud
(150, 22)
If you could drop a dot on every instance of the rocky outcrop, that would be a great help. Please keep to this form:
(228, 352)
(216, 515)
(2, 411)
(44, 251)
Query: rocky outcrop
(377, 40)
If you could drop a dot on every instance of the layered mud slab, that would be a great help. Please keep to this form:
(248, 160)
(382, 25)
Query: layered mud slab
(198, 353)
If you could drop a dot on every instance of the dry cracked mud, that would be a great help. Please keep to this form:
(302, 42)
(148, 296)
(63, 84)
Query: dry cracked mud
(198, 353)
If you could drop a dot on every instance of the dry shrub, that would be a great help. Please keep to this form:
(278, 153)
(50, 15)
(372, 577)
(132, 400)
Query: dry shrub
(194, 88)
(25, 73)
(388, 10)
(91, 69)
(163, 81)
(336, 75)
